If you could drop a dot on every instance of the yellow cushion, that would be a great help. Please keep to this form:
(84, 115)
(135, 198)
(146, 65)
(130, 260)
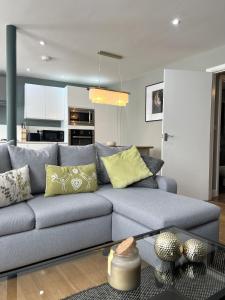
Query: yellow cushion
(126, 167)
(70, 180)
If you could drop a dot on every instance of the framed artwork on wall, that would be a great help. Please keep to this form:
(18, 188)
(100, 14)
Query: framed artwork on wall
(154, 102)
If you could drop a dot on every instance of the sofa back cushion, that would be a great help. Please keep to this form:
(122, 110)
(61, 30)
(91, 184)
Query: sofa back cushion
(5, 164)
(104, 151)
(77, 155)
(36, 161)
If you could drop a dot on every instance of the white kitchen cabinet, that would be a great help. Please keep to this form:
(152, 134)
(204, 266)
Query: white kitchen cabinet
(34, 106)
(54, 104)
(78, 97)
(44, 102)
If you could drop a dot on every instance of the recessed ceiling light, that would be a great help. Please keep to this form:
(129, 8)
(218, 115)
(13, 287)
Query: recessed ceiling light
(176, 22)
(42, 43)
(41, 292)
(46, 58)
(28, 69)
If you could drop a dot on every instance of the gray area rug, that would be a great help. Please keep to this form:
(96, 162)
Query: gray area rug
(194, 283)
(105, 291)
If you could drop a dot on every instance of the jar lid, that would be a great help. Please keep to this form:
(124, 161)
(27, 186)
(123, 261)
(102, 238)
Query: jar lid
(126, 247)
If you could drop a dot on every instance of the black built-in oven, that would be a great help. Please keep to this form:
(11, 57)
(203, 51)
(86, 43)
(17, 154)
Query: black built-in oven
(81, 137)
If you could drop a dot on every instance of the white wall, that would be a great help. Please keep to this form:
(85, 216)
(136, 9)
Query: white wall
(135, 130)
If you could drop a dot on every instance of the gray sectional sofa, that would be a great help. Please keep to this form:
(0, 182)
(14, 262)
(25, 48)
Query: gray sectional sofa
(42, 228)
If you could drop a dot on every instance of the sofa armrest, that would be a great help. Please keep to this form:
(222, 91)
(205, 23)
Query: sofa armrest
(166, 184)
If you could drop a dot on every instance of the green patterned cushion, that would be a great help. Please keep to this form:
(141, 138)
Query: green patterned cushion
(15, 186)
(70, 180)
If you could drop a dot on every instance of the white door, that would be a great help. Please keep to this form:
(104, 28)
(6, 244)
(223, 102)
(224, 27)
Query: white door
(34, 107)
(186, 146)
(54, 103)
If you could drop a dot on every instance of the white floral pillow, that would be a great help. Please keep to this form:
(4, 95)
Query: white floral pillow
(15, 186)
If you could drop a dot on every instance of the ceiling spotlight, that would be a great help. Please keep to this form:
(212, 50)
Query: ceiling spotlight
(28, 69)
(46, 58)
(42, 43)
(176, 21)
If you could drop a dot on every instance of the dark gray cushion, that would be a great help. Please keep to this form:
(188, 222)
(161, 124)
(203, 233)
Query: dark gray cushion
(77, 155)
(156, 209)
(68, 208)
(154, 165)
(103, 151)
(16, 218)
(149, 182)
(5, 164)
(36, 160)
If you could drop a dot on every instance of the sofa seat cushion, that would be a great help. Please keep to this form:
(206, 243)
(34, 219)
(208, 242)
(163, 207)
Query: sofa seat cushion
(68, 208)
(156, 209)
(16, 218)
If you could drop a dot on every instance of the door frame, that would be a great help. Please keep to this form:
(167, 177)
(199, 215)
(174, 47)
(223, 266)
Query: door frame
(212, 136)
(220, 78)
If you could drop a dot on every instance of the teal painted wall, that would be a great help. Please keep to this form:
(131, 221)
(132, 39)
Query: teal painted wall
(2, 97)
(20, 99)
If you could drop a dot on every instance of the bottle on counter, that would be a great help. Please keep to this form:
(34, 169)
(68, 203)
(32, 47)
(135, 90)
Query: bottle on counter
(23, 133)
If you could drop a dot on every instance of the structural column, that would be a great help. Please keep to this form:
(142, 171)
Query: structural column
(11, 107)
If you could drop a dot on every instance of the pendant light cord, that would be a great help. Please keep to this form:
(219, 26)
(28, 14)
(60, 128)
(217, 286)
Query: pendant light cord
(120, 76)
(99, 70)
(119, 109)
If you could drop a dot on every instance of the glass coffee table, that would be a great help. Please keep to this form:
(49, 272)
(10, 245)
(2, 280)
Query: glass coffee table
(83, 275)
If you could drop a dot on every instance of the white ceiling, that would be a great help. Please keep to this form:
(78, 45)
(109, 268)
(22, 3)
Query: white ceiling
(140, 30)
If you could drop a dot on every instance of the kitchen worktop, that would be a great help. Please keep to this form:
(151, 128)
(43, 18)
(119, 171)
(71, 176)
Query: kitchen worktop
(40, 142)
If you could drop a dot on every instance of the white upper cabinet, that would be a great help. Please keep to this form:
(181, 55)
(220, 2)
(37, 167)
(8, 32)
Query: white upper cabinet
(34, 106)
(55, 103)
(78, 97)
(44, 102)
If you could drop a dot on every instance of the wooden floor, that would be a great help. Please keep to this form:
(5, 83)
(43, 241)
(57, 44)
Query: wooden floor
(61, 281)
(57, 282)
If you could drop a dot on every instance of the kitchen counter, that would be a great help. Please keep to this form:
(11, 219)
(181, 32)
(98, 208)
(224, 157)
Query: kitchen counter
(37, 145)
(40, 142)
